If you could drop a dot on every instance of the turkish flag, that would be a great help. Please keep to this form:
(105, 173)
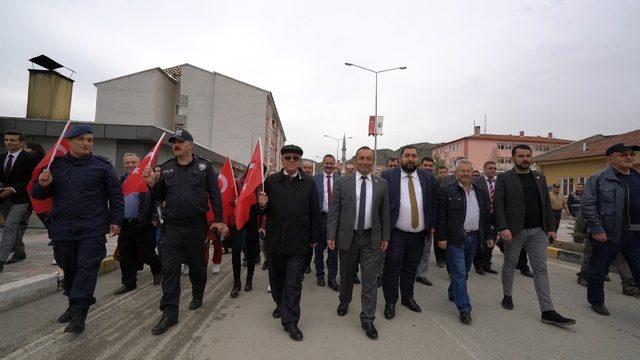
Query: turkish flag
(227, 186)
(134, 183)
(60, 149)
(254, 178)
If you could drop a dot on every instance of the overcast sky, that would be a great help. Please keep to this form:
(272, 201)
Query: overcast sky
(567, 67)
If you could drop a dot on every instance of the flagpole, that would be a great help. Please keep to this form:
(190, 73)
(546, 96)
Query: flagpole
(235, 188)
(55, 149)
(261, 163)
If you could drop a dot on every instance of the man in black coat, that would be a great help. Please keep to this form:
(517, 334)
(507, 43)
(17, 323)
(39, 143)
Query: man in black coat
(15, 173)
(524, 218)
(290, 201)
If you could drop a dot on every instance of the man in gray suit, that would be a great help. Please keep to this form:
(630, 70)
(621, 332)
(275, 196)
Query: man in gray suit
(358, 224)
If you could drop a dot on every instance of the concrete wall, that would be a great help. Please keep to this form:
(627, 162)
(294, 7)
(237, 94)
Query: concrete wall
(239, 118)
(198, 86)
(49, 95)
(145, 98)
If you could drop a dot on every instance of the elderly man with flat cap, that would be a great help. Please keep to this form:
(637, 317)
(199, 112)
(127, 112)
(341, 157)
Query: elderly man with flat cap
(611, 209)
(290, 201)
(87, 204)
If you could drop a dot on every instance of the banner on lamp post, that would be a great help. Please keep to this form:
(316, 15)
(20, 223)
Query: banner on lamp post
(372, 125)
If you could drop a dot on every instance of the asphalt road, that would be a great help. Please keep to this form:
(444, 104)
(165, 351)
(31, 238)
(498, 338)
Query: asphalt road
(242, 328)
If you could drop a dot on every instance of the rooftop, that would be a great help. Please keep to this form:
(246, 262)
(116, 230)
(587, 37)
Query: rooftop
(589, 147)
(510, 138)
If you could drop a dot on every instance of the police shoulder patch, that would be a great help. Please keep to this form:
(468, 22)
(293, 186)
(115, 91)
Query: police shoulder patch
(202, 166)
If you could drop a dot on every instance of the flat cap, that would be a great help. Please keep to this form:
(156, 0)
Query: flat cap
(620, 147)
(291, 149)
(181, 134)
(77, 130)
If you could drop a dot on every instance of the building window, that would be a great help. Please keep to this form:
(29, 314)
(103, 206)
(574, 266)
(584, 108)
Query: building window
(567, 186)
(504, 160)
(582, 180)
(184, 100)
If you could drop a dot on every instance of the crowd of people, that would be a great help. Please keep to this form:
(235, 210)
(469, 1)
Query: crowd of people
(354, 221)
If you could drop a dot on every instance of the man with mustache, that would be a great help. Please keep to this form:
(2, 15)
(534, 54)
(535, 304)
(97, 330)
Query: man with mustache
(524, 218)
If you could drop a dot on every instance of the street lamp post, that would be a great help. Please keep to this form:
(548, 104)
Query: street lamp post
(338, 143)
(375, 121)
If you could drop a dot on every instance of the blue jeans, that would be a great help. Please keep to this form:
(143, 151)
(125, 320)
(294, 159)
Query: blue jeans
(603, 255)
(460, 260)
(332, 255)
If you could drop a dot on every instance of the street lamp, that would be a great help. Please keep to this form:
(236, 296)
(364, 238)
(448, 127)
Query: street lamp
(375, 124)
(337, 142)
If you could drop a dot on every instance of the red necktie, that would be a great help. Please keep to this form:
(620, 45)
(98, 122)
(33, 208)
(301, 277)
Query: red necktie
(329, 194)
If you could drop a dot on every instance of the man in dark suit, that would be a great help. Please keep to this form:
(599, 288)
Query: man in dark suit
(463, 224)
(325, 182)
(290, 201)
(487, 183)
(15, 174)
(358, 225)
(524, 219)
(413, 207)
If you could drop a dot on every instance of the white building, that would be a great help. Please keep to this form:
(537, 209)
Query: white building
(223, 114)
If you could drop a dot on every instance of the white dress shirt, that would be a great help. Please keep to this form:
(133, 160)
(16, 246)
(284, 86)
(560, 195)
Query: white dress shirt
(369, 203)
(472, 217)
(13, 161)
(325, 196)
(404, 215)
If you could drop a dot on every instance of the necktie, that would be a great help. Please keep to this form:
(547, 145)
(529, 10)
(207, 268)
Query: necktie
(415, 221)
(362, 205)
(329, 194)
(7, 168)
(492, 193)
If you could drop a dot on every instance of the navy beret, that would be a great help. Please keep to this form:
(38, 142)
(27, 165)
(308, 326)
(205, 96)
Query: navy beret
(77, 130)
(291, 149)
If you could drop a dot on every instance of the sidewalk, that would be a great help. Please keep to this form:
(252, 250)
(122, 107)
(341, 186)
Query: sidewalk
(35, 276)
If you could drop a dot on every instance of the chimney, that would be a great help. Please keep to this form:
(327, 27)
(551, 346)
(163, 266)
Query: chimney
(521, 132)
(49, 95)
(550, 135)
(476, 130)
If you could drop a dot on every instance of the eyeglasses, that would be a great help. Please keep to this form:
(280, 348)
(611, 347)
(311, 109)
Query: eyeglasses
(625, 154)
(291, 158)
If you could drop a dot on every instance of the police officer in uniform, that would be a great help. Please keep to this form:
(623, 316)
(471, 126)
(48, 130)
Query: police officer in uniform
(186, 184)
(87, 204)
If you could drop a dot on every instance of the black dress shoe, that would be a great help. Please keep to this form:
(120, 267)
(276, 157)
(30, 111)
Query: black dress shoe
(411, 304)
(1, 266)
(124, 289)
(424, 280)
(526, 272)
(157, 279)
(167, 321)
(333, 284)
(490, 271)
(248, 286)
(78, 318)
(600, 309)
(465, 317)
(553, 318)
(389, 311)
(342, 309)
(480, 271)
(451, 298)
(196, 303)
(507, 302)
(307, 270)
(235, 290)
(370, 330)
(355, 279)
(276, 312)
(16, 258)
(66, 316)
(294, 332)
(321, 282)
(440, 264)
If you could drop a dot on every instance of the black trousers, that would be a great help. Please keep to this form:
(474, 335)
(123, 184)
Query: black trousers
(180, 243)
(285, 278)
(252, 248)
(80, 261)
(137, 242)
(401, 264)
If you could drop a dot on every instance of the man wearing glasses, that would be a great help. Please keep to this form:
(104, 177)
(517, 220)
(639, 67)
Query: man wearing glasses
(611, 209)
(290, 201)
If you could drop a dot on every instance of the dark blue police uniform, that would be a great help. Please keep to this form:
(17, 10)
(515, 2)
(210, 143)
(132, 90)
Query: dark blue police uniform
(87, 199)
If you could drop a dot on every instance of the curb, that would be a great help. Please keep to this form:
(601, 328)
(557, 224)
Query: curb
(564, 255)
(26, 290)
